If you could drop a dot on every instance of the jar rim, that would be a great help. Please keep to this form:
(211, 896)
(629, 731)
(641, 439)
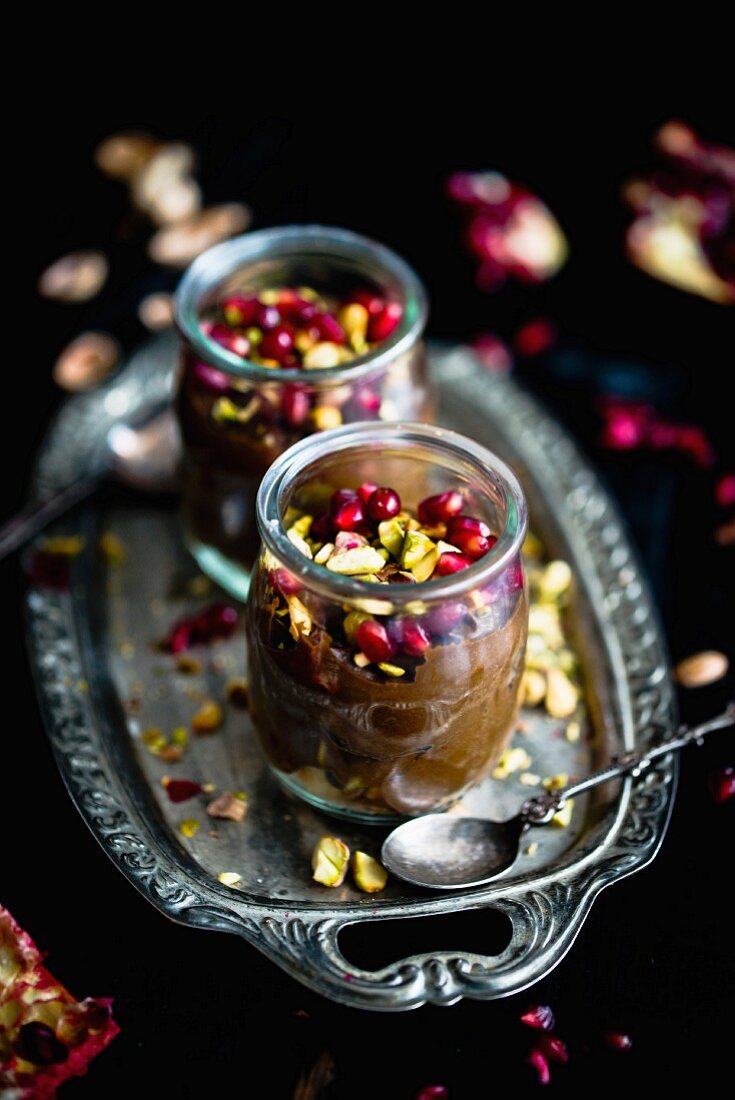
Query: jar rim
(332, 585)
(221, 260)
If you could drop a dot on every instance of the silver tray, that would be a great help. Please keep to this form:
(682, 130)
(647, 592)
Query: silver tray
(92, 649)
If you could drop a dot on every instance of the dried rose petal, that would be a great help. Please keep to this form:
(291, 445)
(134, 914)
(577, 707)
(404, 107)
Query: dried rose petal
(539, 1016)
(725, 491)
(86, 361)
(617, 1040)
(230, 806)
(722, 784)
(541, 1066)
(181, 790)
(433, 1092)
(76, 277)
(535, 337)
(554, 1049)
(218, 620)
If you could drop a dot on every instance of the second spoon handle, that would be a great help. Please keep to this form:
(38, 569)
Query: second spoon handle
(29, 522)
(540, 810)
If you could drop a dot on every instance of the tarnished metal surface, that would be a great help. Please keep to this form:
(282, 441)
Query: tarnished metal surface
(94, 653)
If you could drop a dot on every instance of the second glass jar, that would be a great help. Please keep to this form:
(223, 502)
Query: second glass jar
(237, 416)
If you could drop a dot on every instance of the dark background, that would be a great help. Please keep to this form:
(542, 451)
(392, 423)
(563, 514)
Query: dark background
(656, 955)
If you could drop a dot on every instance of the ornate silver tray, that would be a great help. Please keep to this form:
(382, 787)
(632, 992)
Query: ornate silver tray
(101, 683)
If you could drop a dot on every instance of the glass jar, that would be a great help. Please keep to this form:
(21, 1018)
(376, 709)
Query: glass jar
(237, 416)
(355, 740)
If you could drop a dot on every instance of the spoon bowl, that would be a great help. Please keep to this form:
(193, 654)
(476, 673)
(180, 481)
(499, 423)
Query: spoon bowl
(445, 852)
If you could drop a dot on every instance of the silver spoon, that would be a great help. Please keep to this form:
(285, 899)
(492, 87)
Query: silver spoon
(444, 852)
(144, 457)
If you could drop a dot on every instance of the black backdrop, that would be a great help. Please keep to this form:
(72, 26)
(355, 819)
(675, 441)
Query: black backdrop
(655, 958)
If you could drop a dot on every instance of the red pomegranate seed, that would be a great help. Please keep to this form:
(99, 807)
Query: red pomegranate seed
(450, 562)
(492, 353)
(349, 540)
(295, 405)
(384, 324)
(535, 337)
(284, 582)
(328, 328)
(321, 528)
(554, 1049)
(350, 515)
(722, 784)
(467, 523)
(441, 508)
(373, 640)
(276, 344)
(383, 504)
(414, 638)
(433, 1092)
(443, 619)
(725, 491)
(366, 490)
(267, 317)
(216, 381)
(239, 310)
(219, 620)
(539, 1063)
(618, 1041)
(540, 1017)
(471, 543)
(373, 303)
(368, 402)
(47, 570)
(232, 341)
(181, 790)
(340, 497)
(299, 310)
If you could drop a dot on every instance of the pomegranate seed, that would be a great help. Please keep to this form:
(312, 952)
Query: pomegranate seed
(340, 497)
(535, 337)
(232, 341)
(373, 640)
(540, 1017)
(554, 1048)
(219, 620)
(284, 582)
(616, 1040)
(373, 303)
(467, 523)
(276, 344)
(539, 1063)
(47, 570)
(37, 1043)
(384, 324)
(471, 543)
(722, 784)
(367, 401)
(366, 490)
(415, 639)
(302, 311)
(329, 328)
(239, 310)
(450, 562)
(267, 317)
(295, 405)
(492, 352)
(490, 276)
(440, 508)
(442, 620)
(433, 1092)
(350, 515)
(383, 504)
(321, 528)
(181, 790)
(725, 491)
(216, 381)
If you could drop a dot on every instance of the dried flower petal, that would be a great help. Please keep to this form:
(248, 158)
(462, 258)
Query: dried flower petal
(181, 790)
(617, 1040)
(189, 827)
(76, 277)
(540, 1065)
(229, 878)
(229, 806)
(722, 784)
(86, 362)
(540, 1017)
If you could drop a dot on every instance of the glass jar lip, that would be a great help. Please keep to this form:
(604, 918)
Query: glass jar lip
(332, 585)
(217, 263)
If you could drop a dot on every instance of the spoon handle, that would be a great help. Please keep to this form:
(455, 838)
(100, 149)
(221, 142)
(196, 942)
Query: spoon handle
(29, 522)
(541, 809)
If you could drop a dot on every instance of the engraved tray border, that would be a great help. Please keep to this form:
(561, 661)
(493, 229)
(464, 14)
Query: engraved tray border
(548, 908)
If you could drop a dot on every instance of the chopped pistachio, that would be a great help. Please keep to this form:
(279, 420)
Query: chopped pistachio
(563, 817)
(112, 548)
(208, 718)
(180, 736)
(512, 760)
(354, 320)
(329, 861)
(299, 541)
(188, 665)
(66, 546)
(415, 548)
(171, 754)
(532, 546)
(189, 827)
(225, 410)
(556, 782)
(302, 525)
(237, 691)
(229, 878)
(555, 580)
(324, 553)
(361, 660)
(391, 533)
(446, 548)
(228, 806)
(301, 622)
(573, 732)
(532, 848)
(561, 694)
(528, 779)
(369, 875)
(324, 354)
(533, 687)
(374, 607)
(352, 563)
(324, 417)
(391, 670)
(153, 739)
